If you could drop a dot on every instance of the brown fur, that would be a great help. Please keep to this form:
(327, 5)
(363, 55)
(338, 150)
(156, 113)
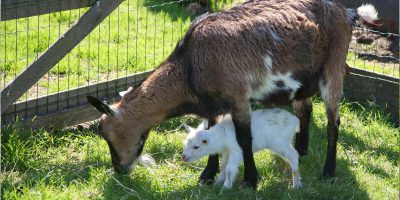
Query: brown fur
(218, 64)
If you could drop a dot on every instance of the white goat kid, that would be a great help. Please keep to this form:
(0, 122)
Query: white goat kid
(271, 129)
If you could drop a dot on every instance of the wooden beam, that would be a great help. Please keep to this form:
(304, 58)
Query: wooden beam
(382, 90)
(12, 9)
(27, 78)
(55, 103)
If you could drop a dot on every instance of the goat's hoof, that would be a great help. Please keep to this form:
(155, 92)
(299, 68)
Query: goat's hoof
(250, 183)
(328, 172)
(302, 151)
(297, 183)
(206, 181)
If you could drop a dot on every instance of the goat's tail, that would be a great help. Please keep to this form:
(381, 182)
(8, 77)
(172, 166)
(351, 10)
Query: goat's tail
(366, 13)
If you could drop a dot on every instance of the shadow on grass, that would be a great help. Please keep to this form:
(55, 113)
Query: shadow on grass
(273, 186)
(26, 154)
(175, 11)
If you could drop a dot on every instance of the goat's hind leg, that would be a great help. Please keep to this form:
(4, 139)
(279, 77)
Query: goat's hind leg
(303, 109)
(331, 91)
(291, 157)
(208, 174)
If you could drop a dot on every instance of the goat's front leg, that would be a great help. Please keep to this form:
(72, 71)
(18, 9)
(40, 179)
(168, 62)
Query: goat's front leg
(241, 120)
(208, 174)
(303, 109)
(231, 169)
(221, 176)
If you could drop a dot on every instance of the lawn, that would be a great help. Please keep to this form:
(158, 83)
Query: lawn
(77, 165)
(137, 36)
(62, 164)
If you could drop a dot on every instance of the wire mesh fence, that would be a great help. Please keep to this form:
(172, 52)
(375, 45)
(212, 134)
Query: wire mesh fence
(136, 37)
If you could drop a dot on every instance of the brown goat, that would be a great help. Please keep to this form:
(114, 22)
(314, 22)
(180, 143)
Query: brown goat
(274, 52)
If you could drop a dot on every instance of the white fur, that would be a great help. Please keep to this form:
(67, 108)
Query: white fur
(324, 91)
(122, 93)
(275, 36)
(368, 13)
(271, 129)
(269, 85)
(268, 61)
(147, 161)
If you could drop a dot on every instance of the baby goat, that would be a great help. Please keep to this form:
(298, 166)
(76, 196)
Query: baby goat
(271, 129)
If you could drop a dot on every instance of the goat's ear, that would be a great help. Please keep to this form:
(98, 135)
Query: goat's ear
(203, 125)
(188, 128)
(100, 106)
(122, 93)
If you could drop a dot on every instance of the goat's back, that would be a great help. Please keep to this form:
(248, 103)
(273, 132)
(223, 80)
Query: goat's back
(229, 49)
(273, 127)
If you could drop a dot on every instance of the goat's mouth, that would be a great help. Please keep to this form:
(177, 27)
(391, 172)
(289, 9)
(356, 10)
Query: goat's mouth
(124, 170)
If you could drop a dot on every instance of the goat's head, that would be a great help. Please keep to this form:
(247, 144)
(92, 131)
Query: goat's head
(125, 135)
(197, 143)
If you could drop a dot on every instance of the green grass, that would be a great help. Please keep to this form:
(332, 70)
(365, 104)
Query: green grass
(389, 68)
(76, 165)
(134, 38)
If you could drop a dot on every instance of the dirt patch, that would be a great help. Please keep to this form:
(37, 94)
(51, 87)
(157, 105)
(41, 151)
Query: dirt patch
(382, 47)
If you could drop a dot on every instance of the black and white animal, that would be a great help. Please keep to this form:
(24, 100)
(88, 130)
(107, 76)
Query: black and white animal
(271, 129)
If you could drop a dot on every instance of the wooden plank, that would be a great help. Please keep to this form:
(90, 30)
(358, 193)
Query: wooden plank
(57, 51)
(12, 9)
(69, 99)
(384, 93)
(373, 74)
(63, 119)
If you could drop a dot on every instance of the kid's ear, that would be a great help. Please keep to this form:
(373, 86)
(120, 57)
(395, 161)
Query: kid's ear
(203, 125)
(188, 128)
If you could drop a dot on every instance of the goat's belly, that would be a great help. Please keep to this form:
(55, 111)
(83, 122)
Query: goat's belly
(282, 89)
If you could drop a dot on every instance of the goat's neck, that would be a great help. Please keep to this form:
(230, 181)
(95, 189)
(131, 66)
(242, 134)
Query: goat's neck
(159, 97)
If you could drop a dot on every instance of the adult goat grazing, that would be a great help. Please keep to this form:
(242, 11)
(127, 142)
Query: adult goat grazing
(274, 52)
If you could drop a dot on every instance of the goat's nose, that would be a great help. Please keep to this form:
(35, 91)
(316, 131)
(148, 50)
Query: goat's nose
(184, 157)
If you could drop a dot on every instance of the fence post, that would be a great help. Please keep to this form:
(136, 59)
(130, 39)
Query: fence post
(27, 78)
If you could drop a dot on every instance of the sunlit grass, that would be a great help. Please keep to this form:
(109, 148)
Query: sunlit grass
(76, 165)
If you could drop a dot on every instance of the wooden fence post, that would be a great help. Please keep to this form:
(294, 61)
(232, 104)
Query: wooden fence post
(27, 78)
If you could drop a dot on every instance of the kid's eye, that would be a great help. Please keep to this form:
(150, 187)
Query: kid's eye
(195, 147)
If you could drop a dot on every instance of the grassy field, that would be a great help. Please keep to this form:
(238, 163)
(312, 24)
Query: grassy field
(76, 165)
(59, 164)
(137, 36)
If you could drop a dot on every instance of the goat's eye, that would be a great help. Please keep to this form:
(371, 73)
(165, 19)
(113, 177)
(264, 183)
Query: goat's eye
(195, 147)
(204, 141)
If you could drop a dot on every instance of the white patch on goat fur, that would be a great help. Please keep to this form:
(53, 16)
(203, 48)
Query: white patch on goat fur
(268, 61)
(269, 85)
(275, 36)
(122, 93)
(323, 89)
(329, 2)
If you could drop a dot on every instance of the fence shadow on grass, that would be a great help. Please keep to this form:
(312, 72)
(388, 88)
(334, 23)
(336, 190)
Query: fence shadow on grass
(34, 168)
(174, 11)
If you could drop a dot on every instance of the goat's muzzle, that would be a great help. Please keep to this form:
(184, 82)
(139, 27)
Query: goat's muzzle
(122, 169)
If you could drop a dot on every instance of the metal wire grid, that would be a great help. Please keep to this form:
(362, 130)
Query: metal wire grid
(135, 37)
(126, 42)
